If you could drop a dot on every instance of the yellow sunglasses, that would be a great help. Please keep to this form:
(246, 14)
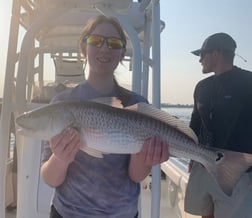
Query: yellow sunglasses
(98, 41)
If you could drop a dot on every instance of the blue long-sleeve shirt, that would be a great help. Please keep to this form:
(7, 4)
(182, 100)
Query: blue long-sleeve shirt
(96, 187)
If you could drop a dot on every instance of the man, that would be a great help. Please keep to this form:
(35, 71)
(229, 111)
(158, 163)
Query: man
(221, 118)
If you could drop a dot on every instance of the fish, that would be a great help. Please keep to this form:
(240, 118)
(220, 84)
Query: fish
(106, 127)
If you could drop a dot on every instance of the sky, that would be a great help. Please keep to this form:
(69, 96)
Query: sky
(188, 23)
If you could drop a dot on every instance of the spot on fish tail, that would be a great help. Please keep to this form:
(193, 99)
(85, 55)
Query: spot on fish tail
(220, 156)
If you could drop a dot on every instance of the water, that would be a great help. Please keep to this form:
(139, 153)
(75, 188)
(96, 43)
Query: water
(180, 112)
(183, 114)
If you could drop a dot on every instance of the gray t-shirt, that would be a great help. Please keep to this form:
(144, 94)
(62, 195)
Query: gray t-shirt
(96, 187)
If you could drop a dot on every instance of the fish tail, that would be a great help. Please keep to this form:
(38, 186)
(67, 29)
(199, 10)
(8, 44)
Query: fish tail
(228, 168)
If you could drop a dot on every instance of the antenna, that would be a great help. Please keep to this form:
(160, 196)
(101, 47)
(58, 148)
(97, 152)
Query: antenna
(241, 57)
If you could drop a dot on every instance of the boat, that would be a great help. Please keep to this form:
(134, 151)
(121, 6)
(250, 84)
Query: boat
(49, 30)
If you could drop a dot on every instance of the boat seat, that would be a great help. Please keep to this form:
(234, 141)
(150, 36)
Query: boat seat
(68, 69)
(69, 72)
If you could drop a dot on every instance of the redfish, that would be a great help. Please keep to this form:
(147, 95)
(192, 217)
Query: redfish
(107, 128)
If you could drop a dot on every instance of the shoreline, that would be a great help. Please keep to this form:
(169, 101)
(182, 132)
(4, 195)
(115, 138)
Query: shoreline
(165, 105)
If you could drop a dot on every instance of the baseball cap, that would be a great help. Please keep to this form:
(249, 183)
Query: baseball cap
(217, 41)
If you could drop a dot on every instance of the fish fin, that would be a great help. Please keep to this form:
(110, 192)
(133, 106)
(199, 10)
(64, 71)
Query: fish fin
(228, 168)
(89, 150)
(110, 101)
(163, 116)
(92, 152)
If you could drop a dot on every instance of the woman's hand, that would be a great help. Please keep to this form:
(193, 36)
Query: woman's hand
(65, 145)
(154, 151)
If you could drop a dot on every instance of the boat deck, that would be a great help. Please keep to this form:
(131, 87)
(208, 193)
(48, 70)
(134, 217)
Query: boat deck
(10, 214)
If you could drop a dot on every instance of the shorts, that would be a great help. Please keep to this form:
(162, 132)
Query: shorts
(205, 197)
(54, 213)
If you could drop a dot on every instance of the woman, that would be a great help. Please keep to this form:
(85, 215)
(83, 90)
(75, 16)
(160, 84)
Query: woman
(87, 186)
